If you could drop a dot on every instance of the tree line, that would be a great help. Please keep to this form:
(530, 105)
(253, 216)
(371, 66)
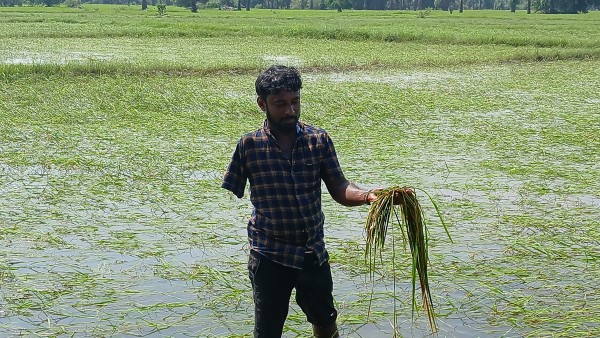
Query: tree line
(540, 6)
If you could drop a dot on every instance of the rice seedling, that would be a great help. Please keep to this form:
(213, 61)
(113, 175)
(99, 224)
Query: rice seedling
(402, 203)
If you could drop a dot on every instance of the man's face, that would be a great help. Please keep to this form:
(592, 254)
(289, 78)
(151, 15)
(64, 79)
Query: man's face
(282, 109)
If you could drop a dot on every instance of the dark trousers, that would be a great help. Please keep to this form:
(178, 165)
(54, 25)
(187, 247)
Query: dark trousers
(272, 286)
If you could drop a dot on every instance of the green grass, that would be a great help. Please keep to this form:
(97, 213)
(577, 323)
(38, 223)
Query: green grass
(115, 39)
(474, 27)
(114, 142)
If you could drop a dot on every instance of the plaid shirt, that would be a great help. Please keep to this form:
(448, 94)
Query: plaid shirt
(287, 219)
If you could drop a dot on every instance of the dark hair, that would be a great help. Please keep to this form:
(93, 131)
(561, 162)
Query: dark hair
(276, 79)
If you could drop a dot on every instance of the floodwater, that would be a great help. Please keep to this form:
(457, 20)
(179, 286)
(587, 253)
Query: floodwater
(129, 263)
(37, 58)
(117, 251)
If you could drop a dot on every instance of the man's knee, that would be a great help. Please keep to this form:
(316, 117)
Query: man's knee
(328, 331)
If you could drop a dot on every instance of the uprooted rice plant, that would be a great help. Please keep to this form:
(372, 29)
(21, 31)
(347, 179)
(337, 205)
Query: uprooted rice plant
(400, 204)
(114, 138)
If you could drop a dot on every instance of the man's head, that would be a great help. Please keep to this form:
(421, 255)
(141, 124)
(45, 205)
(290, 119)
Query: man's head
(276, 79)
(278, 90)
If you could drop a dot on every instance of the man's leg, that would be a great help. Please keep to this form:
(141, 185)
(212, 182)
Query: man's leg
(272, 286)
(314, 295)
(329, 331)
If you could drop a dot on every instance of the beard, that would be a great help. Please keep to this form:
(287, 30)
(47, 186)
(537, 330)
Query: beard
(285, 126)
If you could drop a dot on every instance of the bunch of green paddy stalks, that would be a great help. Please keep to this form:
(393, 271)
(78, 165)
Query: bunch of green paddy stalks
(402, 203)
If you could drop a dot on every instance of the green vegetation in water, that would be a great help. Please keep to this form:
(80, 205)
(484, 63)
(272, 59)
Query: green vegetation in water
(118, 39)
(117, 125)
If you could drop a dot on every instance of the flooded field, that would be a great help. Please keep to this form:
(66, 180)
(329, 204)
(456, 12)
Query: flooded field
(113, 222)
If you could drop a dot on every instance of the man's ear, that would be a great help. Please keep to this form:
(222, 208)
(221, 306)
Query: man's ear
(261, 103)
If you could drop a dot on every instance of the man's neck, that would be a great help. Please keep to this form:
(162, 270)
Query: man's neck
(282, 135)
(285, 140)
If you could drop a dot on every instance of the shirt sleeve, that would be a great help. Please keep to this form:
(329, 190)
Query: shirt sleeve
(330, 167)
(235, 176)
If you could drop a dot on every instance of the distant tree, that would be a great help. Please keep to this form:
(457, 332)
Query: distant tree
(144, 5)
(162, 9)
(72, 3)
(562, 6)
(14, 3)
(50, 3)
(11, 3)
(379, 4)
(445, 5)
(440, 4)
(191, 4)
(544, 6)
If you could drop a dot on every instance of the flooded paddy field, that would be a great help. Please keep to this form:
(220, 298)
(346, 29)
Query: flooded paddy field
(113, 222)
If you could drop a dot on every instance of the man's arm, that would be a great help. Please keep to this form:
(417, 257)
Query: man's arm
(347, 193)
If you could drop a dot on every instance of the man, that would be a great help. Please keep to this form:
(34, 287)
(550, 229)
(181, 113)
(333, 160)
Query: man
(285, 161)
